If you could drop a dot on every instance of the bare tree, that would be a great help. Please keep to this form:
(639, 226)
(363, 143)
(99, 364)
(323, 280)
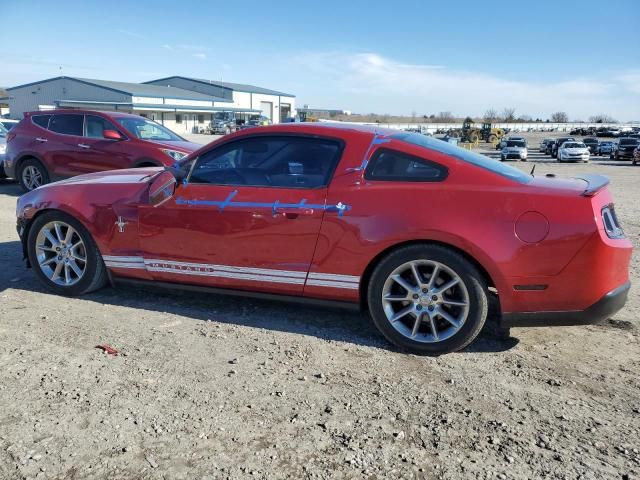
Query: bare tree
(525, 118)
(509, 114)
(490, 115)
(602, 118)
(559, 117)
(445, 117)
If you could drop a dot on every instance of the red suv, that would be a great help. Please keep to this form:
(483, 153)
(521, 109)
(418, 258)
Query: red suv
(49, 145)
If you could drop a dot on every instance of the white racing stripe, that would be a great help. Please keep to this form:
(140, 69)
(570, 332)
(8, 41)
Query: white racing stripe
(292, 277)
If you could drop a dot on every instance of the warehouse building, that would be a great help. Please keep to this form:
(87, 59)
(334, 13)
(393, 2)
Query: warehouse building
(276, 106)
(182, 110)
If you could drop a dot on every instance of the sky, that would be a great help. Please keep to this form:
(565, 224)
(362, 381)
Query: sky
(403, 57)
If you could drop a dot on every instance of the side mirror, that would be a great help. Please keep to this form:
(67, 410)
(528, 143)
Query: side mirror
(162, 188)
(112, 135)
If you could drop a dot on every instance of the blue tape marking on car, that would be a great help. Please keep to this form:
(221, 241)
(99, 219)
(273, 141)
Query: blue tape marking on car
(228, 199)
(377, 140)
(340, 207)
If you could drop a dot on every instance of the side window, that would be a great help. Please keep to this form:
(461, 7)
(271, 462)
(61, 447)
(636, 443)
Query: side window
(41, 120)
(391, 165)
(270, 161)
(68, 124)
(94, 126)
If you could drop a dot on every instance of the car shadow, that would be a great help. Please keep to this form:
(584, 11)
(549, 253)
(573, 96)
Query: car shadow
(327, 323)
(10, 187)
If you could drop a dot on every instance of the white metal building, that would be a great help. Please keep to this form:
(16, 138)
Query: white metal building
(275, 105)
(183, 110)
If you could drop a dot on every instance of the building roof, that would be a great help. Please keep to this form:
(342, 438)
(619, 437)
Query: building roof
(137, 89)
(239, 87)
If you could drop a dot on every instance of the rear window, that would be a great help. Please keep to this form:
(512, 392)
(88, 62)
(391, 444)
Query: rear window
(391, 165)
(467, 156)
(41, 120)
(67, 124)
(628, 141)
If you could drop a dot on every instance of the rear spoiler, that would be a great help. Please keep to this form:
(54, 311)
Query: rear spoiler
(595, 183)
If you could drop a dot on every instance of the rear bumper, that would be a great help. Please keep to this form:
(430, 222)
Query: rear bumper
(600, 311)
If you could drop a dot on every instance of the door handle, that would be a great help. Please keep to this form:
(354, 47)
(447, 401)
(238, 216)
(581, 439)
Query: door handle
(293, 212)
(40, 139)
(83, 145)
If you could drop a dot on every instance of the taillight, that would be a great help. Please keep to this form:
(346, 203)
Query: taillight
(611, 224)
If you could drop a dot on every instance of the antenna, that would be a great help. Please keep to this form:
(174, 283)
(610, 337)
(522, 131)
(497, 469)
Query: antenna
(533, 170)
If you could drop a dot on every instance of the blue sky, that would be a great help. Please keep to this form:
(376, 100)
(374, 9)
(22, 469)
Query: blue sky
(582, 57)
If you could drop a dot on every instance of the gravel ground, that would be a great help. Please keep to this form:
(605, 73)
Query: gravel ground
(216, 387)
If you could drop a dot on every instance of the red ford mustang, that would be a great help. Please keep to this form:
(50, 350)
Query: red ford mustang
(415, 230)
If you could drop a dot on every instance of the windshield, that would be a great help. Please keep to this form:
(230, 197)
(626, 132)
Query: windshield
(574, 145)
(515, 143)
(3, 131)
(464, 155)
(148, 130)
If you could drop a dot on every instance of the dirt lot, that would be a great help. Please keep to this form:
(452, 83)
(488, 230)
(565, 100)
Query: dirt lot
(216, 387)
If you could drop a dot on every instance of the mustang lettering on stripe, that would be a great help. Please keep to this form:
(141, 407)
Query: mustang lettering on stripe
(272, 275)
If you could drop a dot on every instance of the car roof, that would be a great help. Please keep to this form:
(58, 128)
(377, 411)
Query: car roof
(324, 128)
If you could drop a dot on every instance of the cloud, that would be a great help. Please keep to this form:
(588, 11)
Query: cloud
(168, 47)
(201, 56)
(630, 81)
(369, 82)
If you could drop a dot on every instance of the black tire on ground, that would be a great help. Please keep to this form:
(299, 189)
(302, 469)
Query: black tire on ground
(95, 275)
(472, 279)
(35, 163)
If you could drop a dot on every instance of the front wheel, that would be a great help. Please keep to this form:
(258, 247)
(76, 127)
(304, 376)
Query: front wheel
(427, 299)
(64, 256)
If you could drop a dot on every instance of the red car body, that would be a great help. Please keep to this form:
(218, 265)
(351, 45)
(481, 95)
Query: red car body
(542, 243)
(64, 155)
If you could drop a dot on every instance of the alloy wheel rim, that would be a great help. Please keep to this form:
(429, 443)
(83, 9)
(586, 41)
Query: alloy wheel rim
(61, 253)
(32, 177)
(425, 301)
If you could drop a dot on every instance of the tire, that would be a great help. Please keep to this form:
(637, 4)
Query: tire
(502, 159)
(94, 273)
(470, 290)
(32, 168)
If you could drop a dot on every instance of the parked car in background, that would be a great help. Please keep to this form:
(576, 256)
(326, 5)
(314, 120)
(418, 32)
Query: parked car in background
(8, 124)
(572, 151)
(558, 143)
(605, 148)
(514, 150)
(544, 145)
(3, 150)
(592, 144)
(272, 206)
(624, 148)
(636, 155)
(62, 143)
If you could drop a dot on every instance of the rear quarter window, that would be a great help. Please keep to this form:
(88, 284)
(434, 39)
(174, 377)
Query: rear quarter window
(467, 156)
(41, 120)
(392, 165)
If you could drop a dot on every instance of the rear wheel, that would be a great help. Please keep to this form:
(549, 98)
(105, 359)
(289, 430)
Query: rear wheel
(64, 256)
(32, 174)
(427, 299)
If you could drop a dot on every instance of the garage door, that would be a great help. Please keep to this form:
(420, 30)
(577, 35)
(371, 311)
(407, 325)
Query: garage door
(267, 109)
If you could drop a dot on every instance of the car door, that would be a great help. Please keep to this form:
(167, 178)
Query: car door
(247, 218)
(62, 154)
(101, 153)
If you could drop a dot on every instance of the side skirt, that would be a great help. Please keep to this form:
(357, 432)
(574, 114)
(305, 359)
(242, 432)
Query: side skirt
(317, 302)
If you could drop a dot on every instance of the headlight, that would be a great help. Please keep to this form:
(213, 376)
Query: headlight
(175, 154)
(3, 148)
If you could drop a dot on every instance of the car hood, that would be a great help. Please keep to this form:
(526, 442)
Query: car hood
(515, 149)
(184, 147)
(575, 150)
(126, 176)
